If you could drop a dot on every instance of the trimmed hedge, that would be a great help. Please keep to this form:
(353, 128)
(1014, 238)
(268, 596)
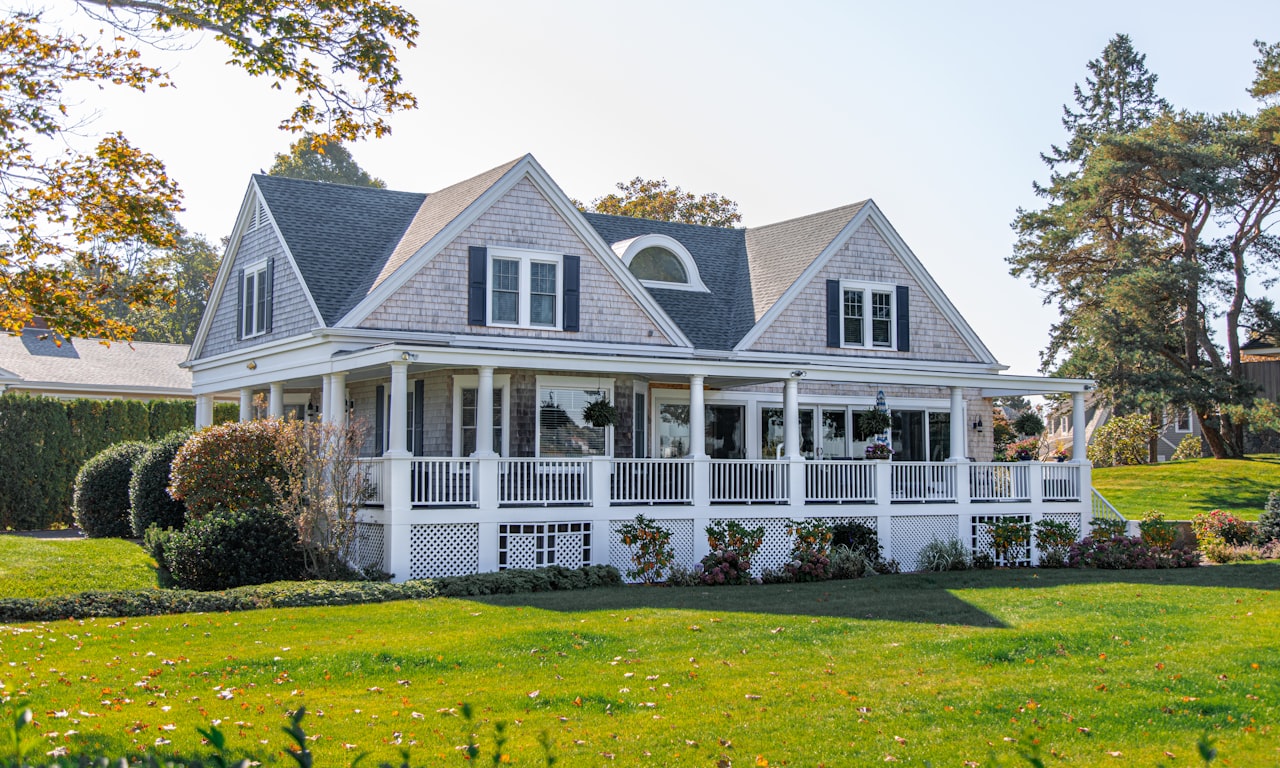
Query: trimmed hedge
(149, 499)
(229, 466)
(47, 441)
(233, 549)
(298, 594)
(101, 503)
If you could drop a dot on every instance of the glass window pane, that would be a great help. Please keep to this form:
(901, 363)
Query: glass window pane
(639, 427)
(561, 429)
(506, 291)
(881, 319)
(506, 307)
(939, 435)
(725, 432)
(673, 430)
(833, 434)
(542, 278)
(908, 436)
(260, 314)
(659, 264)
(542, 310)
(249, 303)
(853, 317)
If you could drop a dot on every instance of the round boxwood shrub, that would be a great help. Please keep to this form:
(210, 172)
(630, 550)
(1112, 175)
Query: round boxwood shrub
(228, 466)
(149, 499)
(233, 548)
(101, 504)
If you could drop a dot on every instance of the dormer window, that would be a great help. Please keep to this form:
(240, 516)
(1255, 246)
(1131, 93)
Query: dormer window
(659, 261)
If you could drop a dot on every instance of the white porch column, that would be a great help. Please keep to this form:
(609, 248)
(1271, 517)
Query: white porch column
(326, 397)
(204, 411)
(276, 408)
(484, 412)
(396, 470)
(337, 402)
(246, 403)
(396, 446)
(791, 419)
(1079, 440)
(959, 431)
(697, 418)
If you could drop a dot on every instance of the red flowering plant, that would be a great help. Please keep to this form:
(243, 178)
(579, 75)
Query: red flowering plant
(810, 558)
(732, 546)
(1220, 527)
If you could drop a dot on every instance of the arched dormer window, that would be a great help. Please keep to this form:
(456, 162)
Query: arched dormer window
(659, 261)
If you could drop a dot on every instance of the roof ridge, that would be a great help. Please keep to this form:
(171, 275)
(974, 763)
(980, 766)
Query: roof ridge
(815, 214)
(334, 184)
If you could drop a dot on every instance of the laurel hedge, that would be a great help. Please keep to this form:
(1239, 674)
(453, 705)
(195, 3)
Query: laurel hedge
(47, 440)
(149, 499)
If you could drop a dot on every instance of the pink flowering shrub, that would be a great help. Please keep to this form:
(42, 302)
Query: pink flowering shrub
(732, 546)
(1219, 526)
(1125, 552)
(810, 558)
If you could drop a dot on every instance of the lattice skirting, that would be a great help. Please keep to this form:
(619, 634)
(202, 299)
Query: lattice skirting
(682, 539)
(981, 536)
(1070, 518)
(443, 550)
(535, 545)
(370, 545)
(908, 534)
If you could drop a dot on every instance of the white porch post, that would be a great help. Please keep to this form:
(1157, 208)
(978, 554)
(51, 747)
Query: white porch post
(336, 405)
(1079, 440)
(246, 403)
(484, 412)
(326, 398)
(959, 447)
(395, 469)
(276, 407)
(204, 411)
(791, 441)
(486, 467)
(698, 451)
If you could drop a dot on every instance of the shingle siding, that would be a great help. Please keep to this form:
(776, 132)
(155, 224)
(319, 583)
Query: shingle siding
(435, 299)
(865, 257)
(291, 313)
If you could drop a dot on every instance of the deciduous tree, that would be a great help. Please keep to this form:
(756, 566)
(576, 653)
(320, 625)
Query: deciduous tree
(314, 159)
(649, 199)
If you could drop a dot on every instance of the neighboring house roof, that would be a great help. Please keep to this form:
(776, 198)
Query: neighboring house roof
(715, 320)
(34, 361)
(1261, 346)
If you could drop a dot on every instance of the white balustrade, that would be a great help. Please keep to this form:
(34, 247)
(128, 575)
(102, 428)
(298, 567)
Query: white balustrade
(839, 482)
(639, 482)
(442, 482)
(372, 469)
(1061, 482)
(748, 481)
(922, 481)
(544, 482)
(1000, 481)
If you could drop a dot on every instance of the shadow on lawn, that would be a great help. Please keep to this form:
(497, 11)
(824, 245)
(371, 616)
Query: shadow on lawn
(925, 598)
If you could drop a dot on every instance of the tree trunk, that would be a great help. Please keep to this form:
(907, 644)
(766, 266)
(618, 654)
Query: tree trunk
(1218, 433)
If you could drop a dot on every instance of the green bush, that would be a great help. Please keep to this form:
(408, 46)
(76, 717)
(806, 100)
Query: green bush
(38, 463)
(516, 580)
(1268, 528)
(1028, 423)
(1157, 532)
(101, 504)
(149, 499)
(234, 548)
(858, 537)
(228, 466)
(1123, 440)
(1189, 447)
(1107, 528)
(849, 563)
(939, 555)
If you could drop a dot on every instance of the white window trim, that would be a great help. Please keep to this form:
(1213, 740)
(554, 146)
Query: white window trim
(570, 382)
(501, 383)
(526, 258)
(249, 303)
(1191, 420)
(627, 250)
(867, 289)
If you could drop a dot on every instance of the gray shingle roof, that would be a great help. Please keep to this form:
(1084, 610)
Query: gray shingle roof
(89, 364)
(340, 236)
(779, 253)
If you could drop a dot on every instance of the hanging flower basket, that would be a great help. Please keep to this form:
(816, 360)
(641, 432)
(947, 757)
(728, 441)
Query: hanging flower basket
(872, 422)
(600, 413)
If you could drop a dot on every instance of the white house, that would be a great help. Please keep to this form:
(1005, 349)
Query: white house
(470, 327)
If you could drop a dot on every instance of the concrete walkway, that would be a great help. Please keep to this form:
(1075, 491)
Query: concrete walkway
(66, 533)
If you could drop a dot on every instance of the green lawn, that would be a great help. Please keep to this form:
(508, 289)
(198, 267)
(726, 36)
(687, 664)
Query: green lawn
(1180, 489)
(946, 668)
(47, 567)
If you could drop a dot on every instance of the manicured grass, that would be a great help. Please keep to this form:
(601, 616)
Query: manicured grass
(945, 668)
(1180, 489)
(47, 567)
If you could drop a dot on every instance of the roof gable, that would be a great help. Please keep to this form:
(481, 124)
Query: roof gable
(779, 253)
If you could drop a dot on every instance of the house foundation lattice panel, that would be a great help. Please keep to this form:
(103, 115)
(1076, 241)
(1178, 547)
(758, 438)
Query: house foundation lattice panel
(443, 550)
(982, 541)
(908, 534)
(775, 548)
(682, 538)
(370, 545)
(535, 545)
(1070, 518)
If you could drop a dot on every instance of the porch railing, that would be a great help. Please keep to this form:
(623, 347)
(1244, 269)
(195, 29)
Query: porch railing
(637, 482)
(921, 481)
(372, 469)
(993, 481)
(544, 482)
(1102, 508)
(442, 482)
(1061, 482)
(748, 481)
(839, 482)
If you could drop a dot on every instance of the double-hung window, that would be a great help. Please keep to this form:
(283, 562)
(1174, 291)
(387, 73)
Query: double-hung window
(868, 315)
(254, 308)
(525, 288)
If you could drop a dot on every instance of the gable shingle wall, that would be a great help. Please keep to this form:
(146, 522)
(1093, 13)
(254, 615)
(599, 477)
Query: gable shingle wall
(291, 314)
(865, 257)
(435, 299)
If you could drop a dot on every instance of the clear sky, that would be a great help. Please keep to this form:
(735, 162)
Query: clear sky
(937, 111)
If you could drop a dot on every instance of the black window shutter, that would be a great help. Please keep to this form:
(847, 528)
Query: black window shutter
(904, 318)
(478, 292)
(380, 419)
(239, 304)
(270, 290)
(572, 282)
(833, 313)
(419, 390)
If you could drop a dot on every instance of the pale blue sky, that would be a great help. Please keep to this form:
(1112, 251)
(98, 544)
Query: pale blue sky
(936, 111)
